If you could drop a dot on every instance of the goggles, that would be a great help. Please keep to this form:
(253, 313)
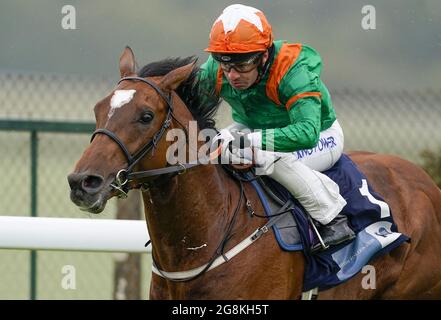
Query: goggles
(243, 66)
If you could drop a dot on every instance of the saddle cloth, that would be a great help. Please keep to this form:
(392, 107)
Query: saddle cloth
(370, 218)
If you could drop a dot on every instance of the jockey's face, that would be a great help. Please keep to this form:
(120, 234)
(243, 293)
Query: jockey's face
(244, 80)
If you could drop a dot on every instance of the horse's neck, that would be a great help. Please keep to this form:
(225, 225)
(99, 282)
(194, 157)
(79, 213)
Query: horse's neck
(187, 216)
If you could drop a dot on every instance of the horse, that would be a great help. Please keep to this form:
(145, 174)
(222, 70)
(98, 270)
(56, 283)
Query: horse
(195, 214)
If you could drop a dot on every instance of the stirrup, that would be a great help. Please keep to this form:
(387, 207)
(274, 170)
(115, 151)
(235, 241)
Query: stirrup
(310, 295)
(346, 234)
(321, 246)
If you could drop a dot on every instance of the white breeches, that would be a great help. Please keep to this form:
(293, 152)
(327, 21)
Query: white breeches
(299, 172)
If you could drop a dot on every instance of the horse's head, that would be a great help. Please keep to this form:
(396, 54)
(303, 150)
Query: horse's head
(131, 125)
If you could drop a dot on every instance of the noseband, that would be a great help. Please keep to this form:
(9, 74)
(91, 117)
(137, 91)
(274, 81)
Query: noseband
(125, 175)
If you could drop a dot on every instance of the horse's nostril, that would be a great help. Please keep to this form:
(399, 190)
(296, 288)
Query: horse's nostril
(79, 182)
(92, 183)
(75, 180)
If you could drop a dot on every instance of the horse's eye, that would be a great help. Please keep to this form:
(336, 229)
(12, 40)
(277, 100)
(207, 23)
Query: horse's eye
(146, 117)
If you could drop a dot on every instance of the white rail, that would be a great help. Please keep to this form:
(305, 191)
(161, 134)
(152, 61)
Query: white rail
(73, 234)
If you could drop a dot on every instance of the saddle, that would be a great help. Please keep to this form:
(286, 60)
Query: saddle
(369, 217)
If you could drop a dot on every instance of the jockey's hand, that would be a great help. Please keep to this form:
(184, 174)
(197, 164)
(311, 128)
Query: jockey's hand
(224, 137)
(241, 149)
(240, 141)
(236, 147)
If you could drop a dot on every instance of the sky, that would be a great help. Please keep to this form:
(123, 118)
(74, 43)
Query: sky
(402, 52)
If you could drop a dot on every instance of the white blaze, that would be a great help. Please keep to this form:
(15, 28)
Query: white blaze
(232, 15)
(120, 98)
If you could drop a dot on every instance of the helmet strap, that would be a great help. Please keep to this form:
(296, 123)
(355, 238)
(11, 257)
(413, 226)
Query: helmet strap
(263, 69)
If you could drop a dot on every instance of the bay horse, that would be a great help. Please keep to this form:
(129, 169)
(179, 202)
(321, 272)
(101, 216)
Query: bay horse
(199, 214)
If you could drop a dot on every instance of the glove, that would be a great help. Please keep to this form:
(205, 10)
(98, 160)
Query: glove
(223, 137)
(240, 141)
(241, 148)
(230, 153)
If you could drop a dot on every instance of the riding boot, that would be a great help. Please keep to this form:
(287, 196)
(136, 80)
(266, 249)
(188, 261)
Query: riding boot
(335, 232)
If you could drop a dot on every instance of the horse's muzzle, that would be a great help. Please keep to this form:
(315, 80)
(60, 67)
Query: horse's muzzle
(86, 191)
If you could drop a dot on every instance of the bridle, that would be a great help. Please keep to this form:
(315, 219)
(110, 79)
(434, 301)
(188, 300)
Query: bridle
(124, 177)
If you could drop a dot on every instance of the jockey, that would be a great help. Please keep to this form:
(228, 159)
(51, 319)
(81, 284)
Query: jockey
(281, 109)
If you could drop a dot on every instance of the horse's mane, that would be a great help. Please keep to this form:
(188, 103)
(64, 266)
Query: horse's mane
(202, 105)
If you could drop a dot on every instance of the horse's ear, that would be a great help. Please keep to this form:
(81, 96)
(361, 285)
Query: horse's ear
(127, 63)
(174, 78)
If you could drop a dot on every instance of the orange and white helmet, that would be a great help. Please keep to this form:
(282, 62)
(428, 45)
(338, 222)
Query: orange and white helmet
(240, 29)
